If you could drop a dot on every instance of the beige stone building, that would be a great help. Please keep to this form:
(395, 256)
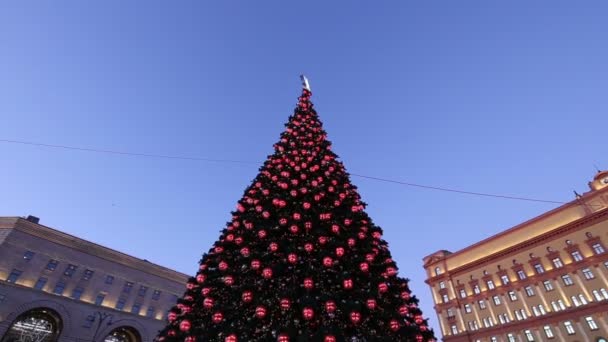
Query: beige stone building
(57, 287)
(543, 280)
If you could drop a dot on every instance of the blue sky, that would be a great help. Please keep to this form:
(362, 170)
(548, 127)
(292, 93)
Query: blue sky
(498, 97)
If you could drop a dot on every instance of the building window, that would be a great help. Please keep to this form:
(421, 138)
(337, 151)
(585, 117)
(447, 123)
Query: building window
(548, 331)
(598, 248)
(511, 337)
(597, 295)
(575, 301)
(569, 328)
(150, 311)
(521, 275)
(156, 295)
(454, 330)
(77, 292)
(476, 289)
(14, 276)
(127, 288)
(557, 262)
(142, 291)
(59, 288)
(504, 279)
(493, 339)
(467, 308)
(473, 325)
(604, 293)
(88, 274)
(583, 299)
(490, 284)
(442, 285)
(40, 283)
(503, 318)
(512, 296)
(588, 274)
(445, 298)
(487, 322)
(136, 309)
(576, 256)
(520, 314)
(539, 269)
(463, 293)
(591, 323)
(529, 336)
(496, 300)
(450, 312)
(437, 271)
(120, 304)
(548, 286)
(28, 255)
(567, 280)
(69, 271)
(52, 265)
(109, 279)
(561, 304)
(100, 298)
(606, 264)
(529, 291)
(482, 304)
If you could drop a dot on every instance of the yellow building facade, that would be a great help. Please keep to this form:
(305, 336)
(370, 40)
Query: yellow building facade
(543, 280)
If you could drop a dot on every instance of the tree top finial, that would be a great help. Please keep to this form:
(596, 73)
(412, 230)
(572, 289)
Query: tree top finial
(305, 83)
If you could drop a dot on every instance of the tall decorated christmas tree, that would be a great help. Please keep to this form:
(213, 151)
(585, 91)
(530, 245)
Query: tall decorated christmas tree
(300, 259)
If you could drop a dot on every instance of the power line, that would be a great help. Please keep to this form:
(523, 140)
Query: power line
(151, 155)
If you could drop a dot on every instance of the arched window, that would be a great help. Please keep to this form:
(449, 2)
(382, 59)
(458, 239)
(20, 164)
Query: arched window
(36, 325)
(123, 334)
(437, 271)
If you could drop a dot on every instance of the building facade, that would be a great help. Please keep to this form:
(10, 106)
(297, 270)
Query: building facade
(543, 280)
(57, 287)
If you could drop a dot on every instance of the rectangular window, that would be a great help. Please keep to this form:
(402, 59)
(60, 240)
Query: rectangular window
(454, 330)
(142, 291)
(77, 292)
(482, 304)
(512, 296)
(40, 283)
(127, 288)
(14, 276)
(88, 274)
(69, 271)
(598, 248)
(591, 323)
(476, 289)
(569, 328)
(463, 293)
(529, 336)
(471, 326)
(575, 301)
(450, 312)
(542, 310)
(485, 323)
(445, 298)
(561, 304)
(28, 255)
(548, 331)
(504, 279)
(529, 291)
(490, 284)
(496, 300)
(109, 280)
(557, 263)
(156, 295)
(597, 295)
(442, 285)
(535, 311)
(120, 304)
(467, 308)
(59, 288)
(604, 293)
(150, 312)
(548, 286)
(539, 269)
(518, 315)
(521, 275)
(136, 309)
(100, 298)
(567, 280)
(576, 256)
(52, 265)
(588, 274)
(583, 299)
(493, 339)
(511, 337)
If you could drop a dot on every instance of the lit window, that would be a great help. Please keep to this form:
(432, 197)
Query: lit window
(88, 274)
(28, 255)
(120, 304)
(604, 293)
(583, 299)
(156, 295)
(598, 248)
(14, 276)
(496, 300)
(529, 291)
(548, 331)
(467, 308)
(539, 268)
(591, 323)
(482, 304)
(69, 271)
(136, 309)
(511, 337)
(521, 275)
(567, 280)
(450, 312)
(575, 301)
(142, 291)
(529, 336)
(535, 311)
(52, 265)
(77, 292)
(454, 330)
(493, 339)
(548, 286)
(445, 298)
(503, 318)
(512, 296)
(463, 293)
(150, 311)
(518, 315)
(490, 285)
(437, 271)
(109, 279)
(40, 283)
(542, 310)
(476, 289)
(487, 322)
(59, 288)
(442, 285)
(561, 304)
(557, 262)
(128, 286)
(99, 299)
(588, 274)
(504, 279)
(569, 328)
(576, 256)
(597, 295)
(606, 264)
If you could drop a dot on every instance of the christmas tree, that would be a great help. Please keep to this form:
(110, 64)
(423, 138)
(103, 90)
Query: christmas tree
(300, 260)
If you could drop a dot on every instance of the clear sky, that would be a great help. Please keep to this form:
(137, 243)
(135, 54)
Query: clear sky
(505, 97)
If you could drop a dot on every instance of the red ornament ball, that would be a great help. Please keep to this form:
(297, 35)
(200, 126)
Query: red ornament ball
(231, 338)
(339, 251)
(330, 306)
(267, 273)
(394, 324)
(328, 262)
(185, 325)
(309, 283)
(348, 284)
(247, 296)
(217, 317)
(255, 264)
(285, 304)
(283, 338)
(308, 313)
(208, 303)
(371, 304)
(355, 317)
(329, 338)
(260, 312)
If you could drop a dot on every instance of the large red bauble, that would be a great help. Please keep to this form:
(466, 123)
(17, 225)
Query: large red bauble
(231, 338)
(223, 266)
(171, 333)
(418, 319)
(322, 240)
(403, 310)
(382, 287)
(205, 291)
(200, 278)
(335, 229)
(339, 252)
(419, 338)
(190, 339)
(260, 312)
(308, 225)
(327, 262)
(391, 271)
(248, 225)
(348, 284)
(283, 221)
(283, 338)
(361, 235)
(285, 304)
(219, 249)
(245, 251)
(306, 205)
(265, 214)
(292, 258)
(394, 324)
(262, 234)
(294, 229)
(185, 325)
(247, 296)
(228, 280)
(297, 216)
(273, 247)
(355, 317)
(364, 267)
(255, 264)
(330, 306)
(405, 295)
(208, 303)
(217, 317)
(172, 316)
(329, 338)
(308, 247)
(371, 304)
(369, 257)
(309, 283)
(351, 242)
(308, 313)
(267, 273)
(348, 222)
(230, 237)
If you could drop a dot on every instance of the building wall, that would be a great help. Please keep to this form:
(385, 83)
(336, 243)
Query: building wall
(26, 248)
(528, 293)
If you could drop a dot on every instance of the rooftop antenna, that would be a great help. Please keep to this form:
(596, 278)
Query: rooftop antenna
(305, 83)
